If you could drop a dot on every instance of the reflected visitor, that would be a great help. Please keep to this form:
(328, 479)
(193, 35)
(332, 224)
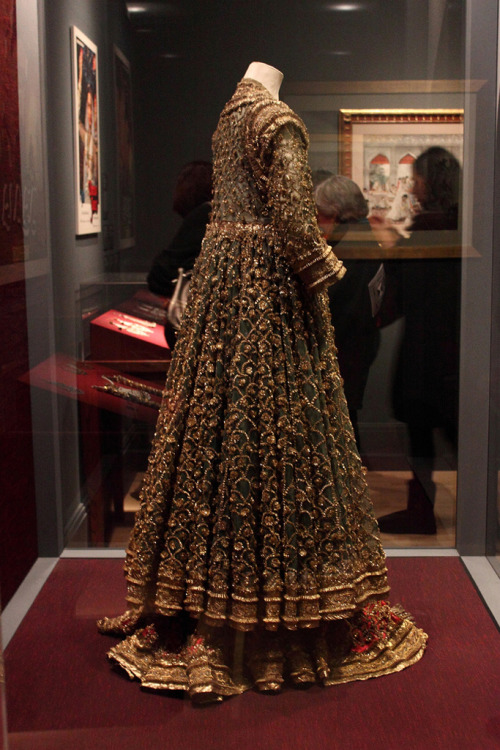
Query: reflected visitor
(192, 201)
(342, 216)
(424, 287)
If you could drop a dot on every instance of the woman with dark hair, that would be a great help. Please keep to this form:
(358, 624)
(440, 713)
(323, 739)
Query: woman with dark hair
(192, 201)
(426, 290)
(436, 185)
(192, 196)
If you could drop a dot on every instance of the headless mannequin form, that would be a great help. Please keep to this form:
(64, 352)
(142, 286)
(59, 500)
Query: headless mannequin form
(228, 572)
(266, 75)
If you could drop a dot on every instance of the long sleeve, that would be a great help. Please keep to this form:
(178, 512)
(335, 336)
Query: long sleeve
(293, 212)
(276, 143)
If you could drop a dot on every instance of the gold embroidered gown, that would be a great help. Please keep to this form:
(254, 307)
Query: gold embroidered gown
(255, 518)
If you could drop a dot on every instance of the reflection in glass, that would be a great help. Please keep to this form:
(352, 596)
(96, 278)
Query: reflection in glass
(178, 87)
(426, 293)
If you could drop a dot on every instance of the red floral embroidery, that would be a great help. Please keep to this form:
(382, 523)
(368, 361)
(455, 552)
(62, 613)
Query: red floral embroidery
(196, 644)
(372, 625)
(149, 636)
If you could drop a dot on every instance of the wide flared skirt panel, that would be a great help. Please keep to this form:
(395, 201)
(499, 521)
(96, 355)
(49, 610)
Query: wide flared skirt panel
(254, 507)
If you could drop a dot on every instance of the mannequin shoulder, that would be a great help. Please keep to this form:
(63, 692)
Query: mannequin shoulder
(267, 118)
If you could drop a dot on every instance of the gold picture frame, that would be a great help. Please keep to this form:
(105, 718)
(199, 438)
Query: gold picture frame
(377, 149)
(393, 135)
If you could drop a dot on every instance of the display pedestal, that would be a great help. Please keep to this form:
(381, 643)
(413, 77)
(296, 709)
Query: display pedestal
(103, 416)
(117, 335)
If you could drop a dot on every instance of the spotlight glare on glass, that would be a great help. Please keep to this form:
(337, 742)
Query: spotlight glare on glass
(345, 7)
(150, 8)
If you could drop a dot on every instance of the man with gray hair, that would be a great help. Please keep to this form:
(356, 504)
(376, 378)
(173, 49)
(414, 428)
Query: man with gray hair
(342, 216)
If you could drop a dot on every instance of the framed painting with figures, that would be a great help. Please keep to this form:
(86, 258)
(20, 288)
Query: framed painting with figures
(378, 148)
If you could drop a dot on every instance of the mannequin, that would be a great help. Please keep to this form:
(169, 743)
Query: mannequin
(255, 515)
(268, 76)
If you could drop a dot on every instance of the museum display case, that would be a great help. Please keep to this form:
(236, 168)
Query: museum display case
(105, 103)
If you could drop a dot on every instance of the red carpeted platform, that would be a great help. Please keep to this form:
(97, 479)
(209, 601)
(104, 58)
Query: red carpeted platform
(63, 694)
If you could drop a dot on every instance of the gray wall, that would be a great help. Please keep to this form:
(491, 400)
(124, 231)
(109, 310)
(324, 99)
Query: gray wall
(76, 260)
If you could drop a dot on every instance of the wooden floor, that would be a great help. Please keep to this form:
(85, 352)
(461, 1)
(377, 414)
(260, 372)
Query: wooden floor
(388, 491)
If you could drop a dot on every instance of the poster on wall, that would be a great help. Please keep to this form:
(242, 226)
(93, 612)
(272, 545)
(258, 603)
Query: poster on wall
(378, 149)
(125, 150)
(86, 134)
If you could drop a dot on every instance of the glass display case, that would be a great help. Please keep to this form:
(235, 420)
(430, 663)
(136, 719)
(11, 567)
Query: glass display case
(85, 352)
(119, 382)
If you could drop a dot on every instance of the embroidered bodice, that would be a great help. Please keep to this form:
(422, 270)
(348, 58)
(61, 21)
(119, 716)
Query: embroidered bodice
(261, 177)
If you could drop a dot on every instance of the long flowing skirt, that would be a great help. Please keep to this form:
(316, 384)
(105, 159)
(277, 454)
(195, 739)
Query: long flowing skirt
(255, 514)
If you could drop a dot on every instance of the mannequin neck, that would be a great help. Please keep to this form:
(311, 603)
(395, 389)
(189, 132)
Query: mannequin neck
(266, 75)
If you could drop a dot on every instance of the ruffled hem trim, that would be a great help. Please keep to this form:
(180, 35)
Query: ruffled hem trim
(244, 610)
(377, 641)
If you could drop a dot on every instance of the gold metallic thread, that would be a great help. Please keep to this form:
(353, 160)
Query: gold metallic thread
(255, 514)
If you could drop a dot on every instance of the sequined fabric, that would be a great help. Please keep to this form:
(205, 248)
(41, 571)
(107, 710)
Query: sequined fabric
(374, 642)
(255, 514)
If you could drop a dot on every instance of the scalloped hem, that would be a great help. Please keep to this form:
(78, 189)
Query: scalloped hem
(377, 641)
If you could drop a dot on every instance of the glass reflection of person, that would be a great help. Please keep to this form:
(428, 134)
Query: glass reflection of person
(342, 211)
(426, 291)
(192, 201)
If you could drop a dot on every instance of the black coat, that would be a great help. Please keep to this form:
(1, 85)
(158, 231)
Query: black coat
(425, 386)
(181, 253)
(356, 334)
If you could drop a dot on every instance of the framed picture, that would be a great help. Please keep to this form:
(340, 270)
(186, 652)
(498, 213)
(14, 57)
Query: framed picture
(125, 150)
(86, 134)
(378, 148)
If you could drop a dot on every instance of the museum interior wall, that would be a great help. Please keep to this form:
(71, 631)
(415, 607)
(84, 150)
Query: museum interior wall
(186, 57)
(76, 260)
(185, 73)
